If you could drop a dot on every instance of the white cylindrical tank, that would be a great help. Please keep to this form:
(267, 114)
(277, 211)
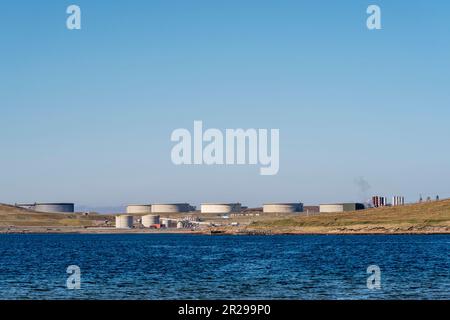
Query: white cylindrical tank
(331, 208)
(341, 207)
(283, 207)
(54, 207)
(220, 207)
(149, 220)
(139, 208)
(170, 207)
(124, 222)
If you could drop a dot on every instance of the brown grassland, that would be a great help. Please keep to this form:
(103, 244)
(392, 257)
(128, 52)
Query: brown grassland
(428, 217)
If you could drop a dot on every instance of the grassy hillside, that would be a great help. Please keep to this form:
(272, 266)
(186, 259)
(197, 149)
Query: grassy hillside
(429, 217)
(13, 216)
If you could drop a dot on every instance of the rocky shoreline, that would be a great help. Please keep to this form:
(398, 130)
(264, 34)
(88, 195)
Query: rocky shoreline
(376, 230)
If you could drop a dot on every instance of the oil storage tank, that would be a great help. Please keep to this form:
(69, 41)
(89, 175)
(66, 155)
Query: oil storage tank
(220, 207)
(170, 207)
(139, 208)
(341, 207)
(54, 207)
(283, 207)
(149, 220)
(124, 222)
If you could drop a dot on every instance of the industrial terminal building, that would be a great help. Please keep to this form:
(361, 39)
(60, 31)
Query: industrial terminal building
(282, 207)
(341, 207)
(311, 209)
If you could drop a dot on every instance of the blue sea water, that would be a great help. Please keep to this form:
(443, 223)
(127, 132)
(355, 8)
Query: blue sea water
(164, 266)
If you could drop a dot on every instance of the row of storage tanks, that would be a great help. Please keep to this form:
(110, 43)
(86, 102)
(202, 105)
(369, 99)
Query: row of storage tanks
(183, 207)
(149, 220)
(219, 208)
(159, 208)
(222, 208)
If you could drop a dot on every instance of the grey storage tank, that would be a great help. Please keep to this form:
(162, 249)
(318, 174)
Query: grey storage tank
(283, 207)
(139, 208)
(341, 207)
(170, 207)
(54, 207)
(220, 207)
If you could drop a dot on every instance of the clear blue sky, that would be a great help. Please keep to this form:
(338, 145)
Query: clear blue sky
(86, 116)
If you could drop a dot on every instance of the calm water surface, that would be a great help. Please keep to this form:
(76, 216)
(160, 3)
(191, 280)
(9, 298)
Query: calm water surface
(224, 267)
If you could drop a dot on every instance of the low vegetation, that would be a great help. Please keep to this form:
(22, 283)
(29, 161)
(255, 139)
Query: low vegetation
(18, 217)
(433, 217)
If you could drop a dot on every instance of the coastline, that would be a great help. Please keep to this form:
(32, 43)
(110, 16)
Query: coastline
(422, 218)
(225, 231)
